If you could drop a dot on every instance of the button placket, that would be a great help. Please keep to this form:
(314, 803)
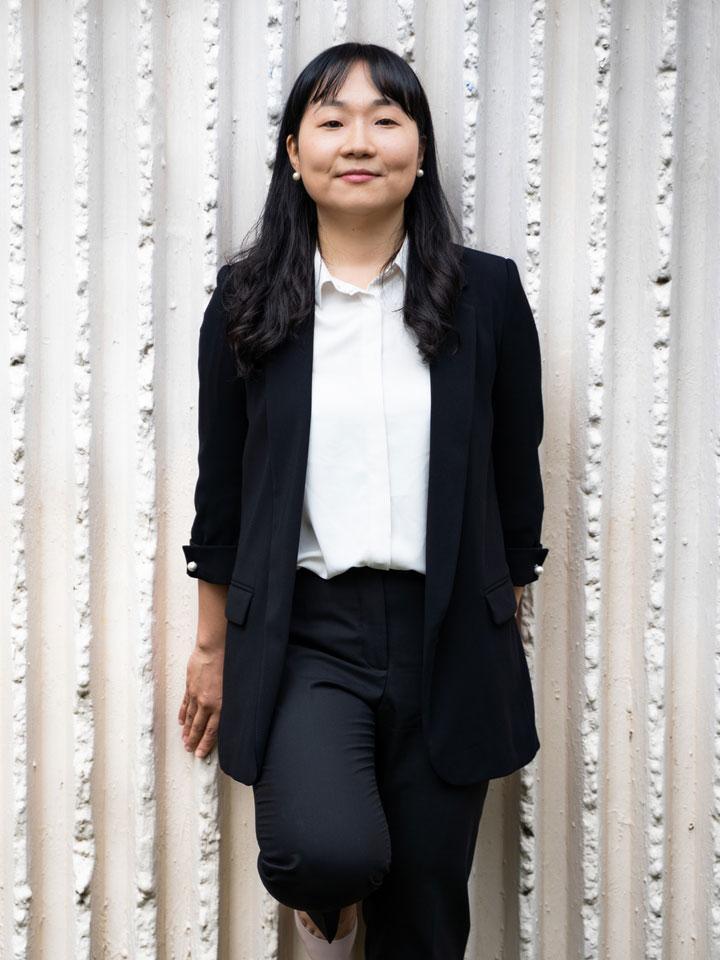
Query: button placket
(381, 474)
(369, 401)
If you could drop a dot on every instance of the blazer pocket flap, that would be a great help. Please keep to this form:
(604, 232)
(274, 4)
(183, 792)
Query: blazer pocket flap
(501, 600)
(238, 603)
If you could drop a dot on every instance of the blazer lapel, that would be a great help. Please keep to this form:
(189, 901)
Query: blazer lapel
(288, 398)
(288, 380)
(452, 378)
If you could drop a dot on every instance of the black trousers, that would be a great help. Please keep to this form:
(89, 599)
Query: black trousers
(347, 806)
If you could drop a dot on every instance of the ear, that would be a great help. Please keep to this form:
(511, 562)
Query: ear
(421, 150)
(291, 147)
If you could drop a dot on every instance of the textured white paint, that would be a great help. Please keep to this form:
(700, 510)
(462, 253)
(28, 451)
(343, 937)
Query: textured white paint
(18, 904)
(83, 715)
(144, 541)
(582, 141)
(593, 485)
(527, 815)
(690, 773)
(654, 626)
(275, 36)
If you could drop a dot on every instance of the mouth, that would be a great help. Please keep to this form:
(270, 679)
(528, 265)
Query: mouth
(358, 176)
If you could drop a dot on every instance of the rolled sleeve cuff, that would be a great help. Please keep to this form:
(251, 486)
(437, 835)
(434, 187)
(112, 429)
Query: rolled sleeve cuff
(525, 563)
(212, 563)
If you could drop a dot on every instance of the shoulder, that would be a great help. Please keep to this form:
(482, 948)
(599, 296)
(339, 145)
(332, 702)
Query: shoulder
(215, 316)
(215, 305)
(484, 260)
(485, 271)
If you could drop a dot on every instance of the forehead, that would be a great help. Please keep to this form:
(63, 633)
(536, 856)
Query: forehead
(355, 89)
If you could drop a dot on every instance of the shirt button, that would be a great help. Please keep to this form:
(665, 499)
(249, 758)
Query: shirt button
(537, 568)
(192, 566)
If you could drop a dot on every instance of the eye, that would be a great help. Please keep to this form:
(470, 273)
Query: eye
(383, 120)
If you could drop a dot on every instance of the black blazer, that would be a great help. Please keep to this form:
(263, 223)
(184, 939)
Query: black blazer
(483, 524)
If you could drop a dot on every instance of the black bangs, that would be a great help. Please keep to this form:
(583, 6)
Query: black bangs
(387, 76)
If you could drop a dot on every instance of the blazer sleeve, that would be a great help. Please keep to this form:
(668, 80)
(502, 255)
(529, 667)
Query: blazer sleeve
(222, 428)
(517, 432)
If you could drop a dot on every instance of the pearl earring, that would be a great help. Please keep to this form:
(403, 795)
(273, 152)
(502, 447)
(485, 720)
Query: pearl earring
(296, 175)
(421, 172)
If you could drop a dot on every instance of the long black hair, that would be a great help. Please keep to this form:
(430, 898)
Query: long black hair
(269, 289)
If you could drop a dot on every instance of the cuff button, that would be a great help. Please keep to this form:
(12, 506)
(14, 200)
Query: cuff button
(192, 567)
(537, 568)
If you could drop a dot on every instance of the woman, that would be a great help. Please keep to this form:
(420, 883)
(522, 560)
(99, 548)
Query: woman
(368, 510)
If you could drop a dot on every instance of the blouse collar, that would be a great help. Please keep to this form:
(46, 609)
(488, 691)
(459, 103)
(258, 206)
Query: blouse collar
(323, 275)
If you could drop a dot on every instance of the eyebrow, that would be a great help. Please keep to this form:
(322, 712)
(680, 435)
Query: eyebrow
(378, 102)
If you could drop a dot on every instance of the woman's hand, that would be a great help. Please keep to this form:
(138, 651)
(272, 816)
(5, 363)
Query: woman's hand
(200, 709)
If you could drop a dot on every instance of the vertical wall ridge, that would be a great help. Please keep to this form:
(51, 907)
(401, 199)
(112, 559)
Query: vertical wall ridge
(655, 719)
(592, 484)
(206, 772)
(83, 717)
(691, 693)
(22, 894)
(471, 84)
(528, 839)
(145, 532)
(275, 34)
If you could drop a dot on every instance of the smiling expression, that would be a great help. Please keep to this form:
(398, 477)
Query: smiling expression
(360, 130)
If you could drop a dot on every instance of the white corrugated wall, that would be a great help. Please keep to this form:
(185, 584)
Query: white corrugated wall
(581, 139)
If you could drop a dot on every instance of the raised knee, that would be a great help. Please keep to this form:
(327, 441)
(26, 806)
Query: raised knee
(322, 877)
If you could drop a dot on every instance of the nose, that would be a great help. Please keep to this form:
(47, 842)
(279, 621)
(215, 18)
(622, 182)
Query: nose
(358, 140)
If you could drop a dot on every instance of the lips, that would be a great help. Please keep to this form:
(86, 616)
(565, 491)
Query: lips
(364, 173)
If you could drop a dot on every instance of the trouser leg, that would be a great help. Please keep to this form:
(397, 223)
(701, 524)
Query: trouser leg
(421, 910)
(348, 806)
(320, 825)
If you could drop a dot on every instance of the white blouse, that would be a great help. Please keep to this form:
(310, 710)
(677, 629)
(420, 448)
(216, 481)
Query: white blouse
(365, 500)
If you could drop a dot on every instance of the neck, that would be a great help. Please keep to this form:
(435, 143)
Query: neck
(361, 242)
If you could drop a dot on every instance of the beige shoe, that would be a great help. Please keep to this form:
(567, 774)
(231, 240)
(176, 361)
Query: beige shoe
(319, 949)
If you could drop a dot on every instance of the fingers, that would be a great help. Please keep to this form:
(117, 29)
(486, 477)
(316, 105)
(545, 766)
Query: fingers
(190, 712)
(207, 741)
(200, 731)
(183, 707)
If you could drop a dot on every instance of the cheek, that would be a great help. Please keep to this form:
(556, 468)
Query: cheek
(316, 152)
(402, 176)
(402, 161)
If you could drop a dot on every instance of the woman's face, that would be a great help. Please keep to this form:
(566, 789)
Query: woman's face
(353, 133)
